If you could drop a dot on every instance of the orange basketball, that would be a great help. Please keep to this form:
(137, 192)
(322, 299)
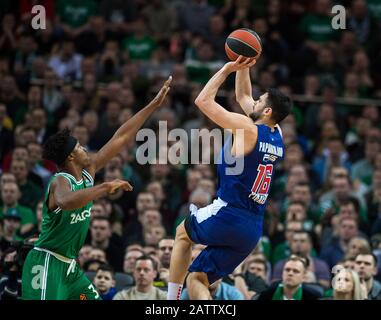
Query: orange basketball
(244, 42)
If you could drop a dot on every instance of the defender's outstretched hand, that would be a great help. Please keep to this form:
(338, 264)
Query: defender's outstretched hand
(158, 100)
(117, 184)
(240, 64)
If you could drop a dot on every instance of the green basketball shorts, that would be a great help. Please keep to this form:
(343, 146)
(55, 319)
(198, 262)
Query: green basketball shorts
(49, 276)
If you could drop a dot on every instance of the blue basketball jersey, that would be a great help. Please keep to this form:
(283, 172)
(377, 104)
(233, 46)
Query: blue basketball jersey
(250, 189)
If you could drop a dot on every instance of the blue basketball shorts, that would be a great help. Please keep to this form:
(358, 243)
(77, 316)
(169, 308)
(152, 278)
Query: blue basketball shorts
(229, 233)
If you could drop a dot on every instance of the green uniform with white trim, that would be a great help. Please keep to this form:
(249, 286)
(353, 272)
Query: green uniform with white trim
(50, 271)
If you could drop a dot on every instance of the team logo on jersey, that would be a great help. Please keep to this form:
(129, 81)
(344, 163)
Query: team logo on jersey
(78, 217)
(269, 157)
(82, 296)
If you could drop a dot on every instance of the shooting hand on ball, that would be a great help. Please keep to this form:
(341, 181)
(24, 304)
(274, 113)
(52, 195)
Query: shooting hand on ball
(239, 64)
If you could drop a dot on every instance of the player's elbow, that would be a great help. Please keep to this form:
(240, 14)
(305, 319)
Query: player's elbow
(64, 203)
(198, 101)
(201, 101)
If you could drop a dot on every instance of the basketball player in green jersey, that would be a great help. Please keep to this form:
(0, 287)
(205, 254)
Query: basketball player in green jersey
(50, 270)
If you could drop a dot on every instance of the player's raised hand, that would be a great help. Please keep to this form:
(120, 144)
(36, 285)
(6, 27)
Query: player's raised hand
(116, 184)
(158, 100)
(240, 64)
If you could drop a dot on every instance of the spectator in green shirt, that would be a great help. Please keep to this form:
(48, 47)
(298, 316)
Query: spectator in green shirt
(364, 24)
(317, 27)
(161, 17)
(11, 222)
(30, 192)
(362, 170)
(302, 192)
(374, 6)
(297, 211)
(140, 45)
(204, 65)
(342, 189)
(75, 13)
(282, 250)
(10, 194)
(5, 178)
(326, 67)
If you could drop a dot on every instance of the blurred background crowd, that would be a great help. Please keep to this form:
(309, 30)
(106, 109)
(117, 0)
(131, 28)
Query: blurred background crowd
(100, 61)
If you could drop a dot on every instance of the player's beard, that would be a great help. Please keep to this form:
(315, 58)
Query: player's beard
(255, 115)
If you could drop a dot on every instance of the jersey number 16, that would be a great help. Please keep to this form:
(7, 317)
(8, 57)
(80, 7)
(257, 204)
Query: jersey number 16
(262, 181)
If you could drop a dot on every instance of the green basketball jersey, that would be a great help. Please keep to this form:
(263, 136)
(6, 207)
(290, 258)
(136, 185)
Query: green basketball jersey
(62, 231)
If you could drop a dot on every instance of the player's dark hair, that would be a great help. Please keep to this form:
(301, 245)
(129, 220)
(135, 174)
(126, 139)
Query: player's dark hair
(58, 147)
(280, 104)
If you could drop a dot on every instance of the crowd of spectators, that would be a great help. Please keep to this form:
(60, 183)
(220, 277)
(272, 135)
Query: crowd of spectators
(98, 62)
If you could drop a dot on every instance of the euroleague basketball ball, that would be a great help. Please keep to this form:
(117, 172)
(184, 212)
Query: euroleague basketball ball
(244, 42)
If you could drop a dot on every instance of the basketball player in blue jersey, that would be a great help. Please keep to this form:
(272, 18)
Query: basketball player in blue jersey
(231, 226)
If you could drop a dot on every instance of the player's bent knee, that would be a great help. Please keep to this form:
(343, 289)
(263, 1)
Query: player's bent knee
(198, 276)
